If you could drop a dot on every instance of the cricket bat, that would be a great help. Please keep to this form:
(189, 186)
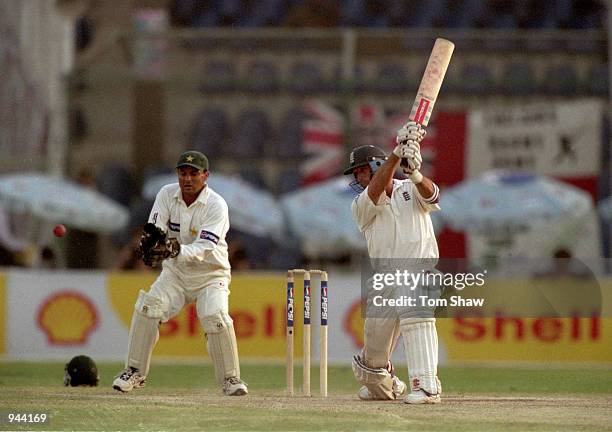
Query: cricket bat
(431, 82)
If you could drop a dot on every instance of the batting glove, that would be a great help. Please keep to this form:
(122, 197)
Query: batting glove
(402, 151)
(414, 155)
(412, 131)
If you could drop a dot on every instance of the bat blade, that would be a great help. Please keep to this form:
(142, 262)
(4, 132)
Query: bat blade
(432, 81)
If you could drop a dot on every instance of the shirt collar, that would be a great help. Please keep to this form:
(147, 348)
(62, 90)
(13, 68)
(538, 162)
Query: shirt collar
(202, 198)
(397, 183)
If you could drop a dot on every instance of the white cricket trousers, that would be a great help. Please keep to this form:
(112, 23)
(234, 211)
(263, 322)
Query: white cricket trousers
(211, 297)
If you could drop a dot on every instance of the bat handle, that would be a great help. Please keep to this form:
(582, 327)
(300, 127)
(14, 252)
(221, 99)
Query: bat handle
(404, 162)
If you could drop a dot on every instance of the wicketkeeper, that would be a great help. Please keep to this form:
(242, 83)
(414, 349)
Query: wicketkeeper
(186, 234)
(394, 217)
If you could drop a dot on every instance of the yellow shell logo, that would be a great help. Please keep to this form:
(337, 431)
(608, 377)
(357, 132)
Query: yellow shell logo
(67, 318)
(353, 323)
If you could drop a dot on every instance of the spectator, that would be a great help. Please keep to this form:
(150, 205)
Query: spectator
(182, 12)
(530, 14)
(587, 14)
(82, 246)
(193, 13)
(568, 288)
(238, 256)
(313, 13)
(11, 246)
(83, 33)
(564, 265)
(376, 14)
(7, 258)
(47, 258)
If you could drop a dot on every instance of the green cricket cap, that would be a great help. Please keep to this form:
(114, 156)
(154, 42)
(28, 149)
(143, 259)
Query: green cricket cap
(193, 159)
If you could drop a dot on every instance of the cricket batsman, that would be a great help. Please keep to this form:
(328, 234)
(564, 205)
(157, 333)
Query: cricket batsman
(394, 217)
(186, 234)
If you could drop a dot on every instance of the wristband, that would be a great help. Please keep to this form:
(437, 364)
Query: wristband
(416, 177)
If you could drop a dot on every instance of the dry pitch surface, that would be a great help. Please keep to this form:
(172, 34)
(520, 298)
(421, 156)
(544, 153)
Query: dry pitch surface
(183, 398)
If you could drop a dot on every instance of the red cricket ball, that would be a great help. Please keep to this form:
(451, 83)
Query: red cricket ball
(59, 230)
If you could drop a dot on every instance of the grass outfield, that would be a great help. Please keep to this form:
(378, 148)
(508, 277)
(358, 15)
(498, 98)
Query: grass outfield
(184, 397)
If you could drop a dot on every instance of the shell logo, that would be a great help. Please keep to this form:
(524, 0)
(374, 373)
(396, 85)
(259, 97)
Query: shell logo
(67, 318)
(353, 323)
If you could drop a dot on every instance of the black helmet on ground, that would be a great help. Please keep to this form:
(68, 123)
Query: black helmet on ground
(81, 371)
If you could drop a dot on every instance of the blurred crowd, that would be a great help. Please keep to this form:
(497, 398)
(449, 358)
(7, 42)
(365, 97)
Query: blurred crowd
(81, 249)
(507, 14)
(210, 128)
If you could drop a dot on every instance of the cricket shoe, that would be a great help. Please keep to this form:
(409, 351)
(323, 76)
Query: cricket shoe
(399, 388)
(234, 387)
(129, 379)
(422, 397)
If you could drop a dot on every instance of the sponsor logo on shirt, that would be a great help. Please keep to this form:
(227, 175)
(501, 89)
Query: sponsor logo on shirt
(406, 196)
(207, 235)
(174, 226)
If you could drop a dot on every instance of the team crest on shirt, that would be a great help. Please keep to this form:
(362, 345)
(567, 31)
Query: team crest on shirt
(406, 196)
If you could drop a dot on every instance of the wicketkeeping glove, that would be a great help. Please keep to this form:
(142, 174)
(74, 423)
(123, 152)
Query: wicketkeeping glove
(155, 247)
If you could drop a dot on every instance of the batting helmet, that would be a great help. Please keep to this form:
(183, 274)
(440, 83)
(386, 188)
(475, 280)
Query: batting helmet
(365, 155)
(81, 371)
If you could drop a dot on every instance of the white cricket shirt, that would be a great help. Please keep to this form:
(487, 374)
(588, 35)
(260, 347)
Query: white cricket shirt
(398, 226)
(200, 229)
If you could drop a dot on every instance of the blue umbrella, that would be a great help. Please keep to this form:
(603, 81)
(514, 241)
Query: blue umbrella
(252, 210)
(54, 200)
(499, 200)
(320, 215)
(605, 208)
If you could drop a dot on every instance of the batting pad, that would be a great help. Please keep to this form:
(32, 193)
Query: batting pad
(222, 346)
(421, 346)
(144, 331)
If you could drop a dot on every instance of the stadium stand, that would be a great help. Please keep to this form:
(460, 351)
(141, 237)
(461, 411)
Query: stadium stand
(289, 143)
(209, 131)
(500, 14)
(306, 77)
(560, 79)
(357, 84)
(391, 78)
(116, 182)
(476, 79)
(262, 76)
(597, 80)
(218, 76)
(518, 78)
(252, 132)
